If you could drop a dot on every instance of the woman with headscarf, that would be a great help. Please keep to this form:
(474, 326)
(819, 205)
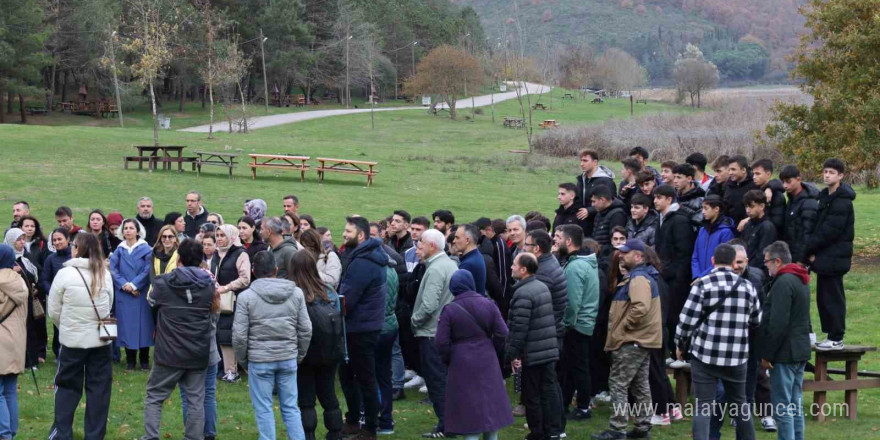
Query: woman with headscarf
(164, 253)
(255, 209)
(55, 262)
(231, 267)
(249, 235)
(470, 333)
(130, 267)
(15, 239)
(114, 221)
(13, 315)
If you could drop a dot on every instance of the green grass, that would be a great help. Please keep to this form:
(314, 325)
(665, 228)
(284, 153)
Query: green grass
(426, 163)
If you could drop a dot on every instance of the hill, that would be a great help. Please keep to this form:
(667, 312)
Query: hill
(751, 37)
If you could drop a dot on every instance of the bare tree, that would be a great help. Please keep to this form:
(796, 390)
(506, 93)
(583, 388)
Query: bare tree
(694, 74)
(616, 71)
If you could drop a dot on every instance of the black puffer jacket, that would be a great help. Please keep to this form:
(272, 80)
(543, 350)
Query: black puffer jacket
(733, 197)
(674, 244)
(585, 185)
(832, 238)
(691, 204)
(646, 230)
(800, 218)
(605, 220)
(776, 205)
(532, 325)
(551, 274)
(568, 216)
(758, 234)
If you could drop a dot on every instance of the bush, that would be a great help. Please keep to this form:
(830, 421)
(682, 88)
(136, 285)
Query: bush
(478, 111)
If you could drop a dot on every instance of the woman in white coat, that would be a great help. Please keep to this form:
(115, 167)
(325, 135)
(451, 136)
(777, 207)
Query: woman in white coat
(81, 291)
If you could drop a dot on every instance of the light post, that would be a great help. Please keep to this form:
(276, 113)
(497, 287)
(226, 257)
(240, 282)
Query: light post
(265, 82)
(414, 57)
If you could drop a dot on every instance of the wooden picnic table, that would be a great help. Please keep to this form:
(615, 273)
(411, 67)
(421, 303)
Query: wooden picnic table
(540, 106)
(279, 162)
(851, 354)
(218, 158)
(513, 122)
(549, 123)
(67, 107)
(153, 154)
(568, 96)
(346, 166)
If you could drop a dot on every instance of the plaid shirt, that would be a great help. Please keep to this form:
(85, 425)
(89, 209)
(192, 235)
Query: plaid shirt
(723, 337)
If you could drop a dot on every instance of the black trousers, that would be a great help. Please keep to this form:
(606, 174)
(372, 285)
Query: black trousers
(575, 369)
(409, 345)
(358, 380)
(383, 378)
(661, 389)
(131, 356)
(434, 373)
(319, 381)
(94, 366)
(831, 300)
(36, 334)
(600, 362)
(540, 396)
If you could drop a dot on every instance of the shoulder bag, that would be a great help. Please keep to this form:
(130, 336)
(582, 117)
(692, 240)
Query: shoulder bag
(106, 326)
(686, 344)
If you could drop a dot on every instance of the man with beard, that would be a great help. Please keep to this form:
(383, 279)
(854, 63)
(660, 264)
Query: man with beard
(19, 210)
(443, 221)
(145, 217)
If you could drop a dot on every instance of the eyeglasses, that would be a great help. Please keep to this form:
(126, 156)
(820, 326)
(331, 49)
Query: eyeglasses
(214, 222)
(168, 237)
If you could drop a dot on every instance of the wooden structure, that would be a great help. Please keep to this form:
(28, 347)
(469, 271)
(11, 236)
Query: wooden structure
(596, 101)
(364, 168)
(549, 123)
(568, 96)
(851, 354)
(300, 100)
(642, 101)
(35, 110)
(513, 122)
(539, 106)
(222, 159)
(279, 162)
(682, 378)
(163, 153)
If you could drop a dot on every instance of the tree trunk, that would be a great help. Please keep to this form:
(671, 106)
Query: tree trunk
(699, 99)
(450, 102)
(21, 109)
(2, 114)
(9, 98)
(155, 116)
(210, 91)
(244, 125)
(204, 93)
(64, 86)
(50, 103)
(182, 95)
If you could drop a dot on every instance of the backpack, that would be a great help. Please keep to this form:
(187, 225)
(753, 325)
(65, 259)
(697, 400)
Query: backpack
(327, 345)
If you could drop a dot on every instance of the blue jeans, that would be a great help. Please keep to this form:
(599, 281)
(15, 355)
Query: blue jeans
(705, 378)
(263, 378)
(8, 406)
(787, 395)
(210, 401)
(398, 370)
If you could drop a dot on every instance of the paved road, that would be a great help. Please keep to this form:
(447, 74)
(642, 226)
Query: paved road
(289, 118)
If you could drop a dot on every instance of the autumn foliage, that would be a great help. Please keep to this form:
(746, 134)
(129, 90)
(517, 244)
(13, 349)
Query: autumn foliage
(446, 71)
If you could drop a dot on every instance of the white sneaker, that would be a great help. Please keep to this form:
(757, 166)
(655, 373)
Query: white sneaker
(603, 397)
(829, 345)
(669, 360)
(678, 364)
(660, 420)
(423, 389)
(676, 414)
(768, 424)
(415, 382)
(409, 374)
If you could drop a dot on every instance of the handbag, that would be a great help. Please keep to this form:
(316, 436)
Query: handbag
(686, 344)
(37, 309)
(227, 303)
(107, 330)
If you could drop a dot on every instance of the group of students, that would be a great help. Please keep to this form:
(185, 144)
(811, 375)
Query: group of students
(579, 311)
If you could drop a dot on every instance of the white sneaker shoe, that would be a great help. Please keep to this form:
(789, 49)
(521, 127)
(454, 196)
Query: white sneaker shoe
(678, 364)
(669, 360)
(423, 389)
(409, 374)
(660, 420)
(829, 345)
(415, 382)
(768, 424)
(603, 397)
(676, 415)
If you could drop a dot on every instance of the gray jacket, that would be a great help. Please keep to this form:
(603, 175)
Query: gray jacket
(532, 326)
(271, 322)
(551, 274)
(283, 253)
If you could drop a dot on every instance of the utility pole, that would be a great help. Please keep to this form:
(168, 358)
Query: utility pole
(414, 57)
(265, 83)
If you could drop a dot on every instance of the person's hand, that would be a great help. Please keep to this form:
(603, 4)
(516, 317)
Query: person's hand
(135, 292)
(516, 364)
(769, 194)
(767, 365)
(582, 214)
(742, 224)
(812, 258)
(222, 289)
(678, 354)
(127, 288)
(16, 268)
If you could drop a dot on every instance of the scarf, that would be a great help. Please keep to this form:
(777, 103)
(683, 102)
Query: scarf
(256, 209)
(7, 256)
(232, 239)
(462, 281)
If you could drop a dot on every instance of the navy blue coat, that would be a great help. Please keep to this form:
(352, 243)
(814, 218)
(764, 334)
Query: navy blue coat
(473, 262)
(363, 286)
(54, 262)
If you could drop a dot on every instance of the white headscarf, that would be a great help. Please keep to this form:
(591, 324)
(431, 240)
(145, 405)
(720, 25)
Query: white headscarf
(232, 237)
(12, 235)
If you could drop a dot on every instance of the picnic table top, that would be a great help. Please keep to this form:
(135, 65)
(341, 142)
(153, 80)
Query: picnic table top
(216, 153)
(549, 120)
(158, 148)
(279, 156)
(848, 349)
(327, 159)
(511, 118)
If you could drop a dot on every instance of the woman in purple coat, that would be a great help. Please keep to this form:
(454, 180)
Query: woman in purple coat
(469, 334)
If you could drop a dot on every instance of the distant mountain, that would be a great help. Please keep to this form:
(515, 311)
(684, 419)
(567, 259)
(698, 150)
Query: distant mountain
(734, 32)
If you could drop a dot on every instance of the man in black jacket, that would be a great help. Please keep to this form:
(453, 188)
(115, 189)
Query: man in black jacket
(720, 166)
(831, 250)
(567, 213)
(690, 194)
(398, 232)
(674, 243)
(145, 217)
(183, 299)
(196, 215)
(800, 213)
(758, 232)
(610, 212)
(739, 182)
(593, 176)
(762, 173)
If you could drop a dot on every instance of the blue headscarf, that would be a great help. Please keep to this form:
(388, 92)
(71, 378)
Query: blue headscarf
(462, 281)
(7, 257)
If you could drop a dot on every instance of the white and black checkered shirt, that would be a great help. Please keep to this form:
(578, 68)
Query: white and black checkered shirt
(723, 337)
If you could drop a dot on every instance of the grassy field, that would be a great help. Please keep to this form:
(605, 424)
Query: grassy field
(426, 163)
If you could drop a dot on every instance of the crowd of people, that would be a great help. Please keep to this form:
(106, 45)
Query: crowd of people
(668, 268)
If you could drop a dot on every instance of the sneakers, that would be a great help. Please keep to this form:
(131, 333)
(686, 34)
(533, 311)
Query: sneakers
(609, 435)
(231, 377)
(768, 424)
(385, 431)
(676, 414)
(676, 364)
(669, 360)
(603, 397)
(829, 345)
(519, 411)
(398, 395)
(662, 420)
(580, 414)
(638, 434)
(409, 374)
(434, 434)
(423, 389)
(415, 382)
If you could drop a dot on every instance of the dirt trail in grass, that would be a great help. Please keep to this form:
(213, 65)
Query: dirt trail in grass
(289, 118)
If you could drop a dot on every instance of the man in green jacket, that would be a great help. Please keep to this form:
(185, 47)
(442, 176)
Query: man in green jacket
(582, 278)
(784, 338)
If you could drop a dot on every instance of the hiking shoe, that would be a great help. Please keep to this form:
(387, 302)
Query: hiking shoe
(768, 424)
(678, 364)
(676, 414)
(635, 433)
(829, 345)
(519, 411)
(660, 420)
(415, 382)
(580, 414)
(609, 435)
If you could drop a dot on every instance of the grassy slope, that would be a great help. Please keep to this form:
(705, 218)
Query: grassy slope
(426, 163)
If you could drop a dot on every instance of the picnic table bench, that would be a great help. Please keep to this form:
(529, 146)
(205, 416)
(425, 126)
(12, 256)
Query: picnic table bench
(217, 158)
(346, 166)
(597, 100)
(513, 122)
(36, 110)
(682, 378)
(153, 154)
(642, 101)
(549, 123)
(568, 96)
(851, 354)
(67, 107)
(279, 162)
(540, 106)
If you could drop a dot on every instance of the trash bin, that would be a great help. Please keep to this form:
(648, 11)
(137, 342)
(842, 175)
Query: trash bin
(164, 122)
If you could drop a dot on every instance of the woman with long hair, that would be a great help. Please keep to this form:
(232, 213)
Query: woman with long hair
(293, 221)
(55, 262)
(130, 267)
(164, 252)
(329, 265)
(250, 236)
(80, 297)
(29, 273)
(231, 267)
(306, 222)
(177, 220)
(14, 310)
(316, 377)
(35, 244)
(100, 228)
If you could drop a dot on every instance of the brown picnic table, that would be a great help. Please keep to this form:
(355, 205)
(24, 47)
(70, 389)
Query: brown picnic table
(153, 154)
(279, 162)
(851, 354)
(346, 166)
(217, 158)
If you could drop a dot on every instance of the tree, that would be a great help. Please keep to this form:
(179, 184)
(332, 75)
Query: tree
(838, 61)
(694, 74)
(617, 71)
(444, 71)
(22, 35)
(575, 65)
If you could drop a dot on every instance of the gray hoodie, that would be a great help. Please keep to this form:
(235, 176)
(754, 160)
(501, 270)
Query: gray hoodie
(271, 322)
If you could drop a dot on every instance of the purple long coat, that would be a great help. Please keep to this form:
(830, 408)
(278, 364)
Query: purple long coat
(476, 399)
